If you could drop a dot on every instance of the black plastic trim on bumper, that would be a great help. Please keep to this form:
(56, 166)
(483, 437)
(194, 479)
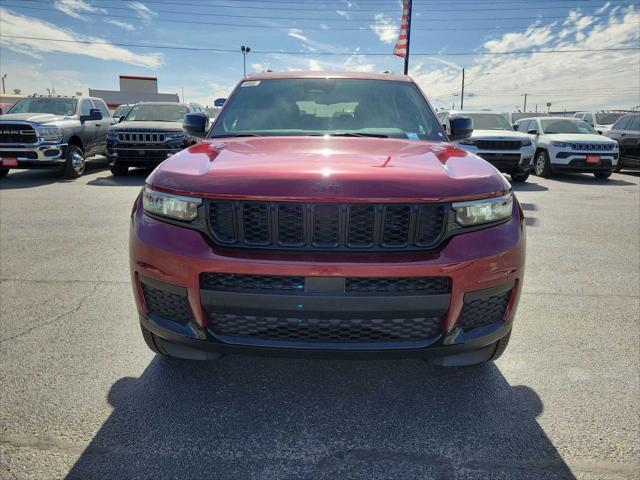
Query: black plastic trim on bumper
(318, 304)
(476, 339)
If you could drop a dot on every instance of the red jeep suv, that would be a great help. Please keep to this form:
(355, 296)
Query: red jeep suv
(327, 214)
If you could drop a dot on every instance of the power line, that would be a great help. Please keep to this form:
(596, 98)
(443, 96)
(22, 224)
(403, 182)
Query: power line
(396, 10)
(287, 27)
(235, 50)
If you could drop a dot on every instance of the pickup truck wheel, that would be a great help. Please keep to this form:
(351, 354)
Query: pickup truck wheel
(118, 170)
(602, 175)
(519, 177)
(74, 165)
(4, 172)
(541, 165)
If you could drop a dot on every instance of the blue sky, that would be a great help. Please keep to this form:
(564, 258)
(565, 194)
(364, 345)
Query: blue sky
(578, 80)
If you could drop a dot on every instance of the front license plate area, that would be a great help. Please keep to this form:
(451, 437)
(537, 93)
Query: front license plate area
(593, 159)
(9, 162)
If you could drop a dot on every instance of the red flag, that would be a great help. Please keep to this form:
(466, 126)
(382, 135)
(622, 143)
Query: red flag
(401, 45)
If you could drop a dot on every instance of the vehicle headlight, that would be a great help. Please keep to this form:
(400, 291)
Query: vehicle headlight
(488, 210)
(176, 135)
(467, 141)
(559, 144)
(526, 142)
(50, 134)
(112, 134)
(170, 206)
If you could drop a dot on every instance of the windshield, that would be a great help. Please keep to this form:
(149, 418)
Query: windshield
(350, 107)
(121, 111)
(488, 121)
(607, 118)
(157, 113)
(565, 125)
(56, 106)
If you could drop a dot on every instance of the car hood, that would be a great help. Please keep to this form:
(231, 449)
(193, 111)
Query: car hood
(332, 169)
(578, 137)
(162, 126)
(498, 135)
(39, 118)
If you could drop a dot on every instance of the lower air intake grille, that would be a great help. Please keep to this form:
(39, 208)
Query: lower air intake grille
(324, 329)
(230, 281)
(428, 285)
(166, 304)
(484, 311)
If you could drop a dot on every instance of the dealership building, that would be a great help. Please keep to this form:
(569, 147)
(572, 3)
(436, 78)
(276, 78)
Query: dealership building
(134, 90)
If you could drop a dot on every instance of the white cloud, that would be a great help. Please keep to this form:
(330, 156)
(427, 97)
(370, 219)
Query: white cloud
(386, 28)
(76, 8)
(344, 14)
(144, 12)
(14, 24)
(118, 23)
(572, 81)
(297, 33)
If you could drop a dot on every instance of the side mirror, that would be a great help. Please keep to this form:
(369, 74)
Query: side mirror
(533, 131)
(461, 128)
(195, 124)
(94, 114)
(515, 126)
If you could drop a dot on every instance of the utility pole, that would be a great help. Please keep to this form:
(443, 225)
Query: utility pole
(245, 50)
(3, 77)
(462, 95)
(406, 58)
(525, 103)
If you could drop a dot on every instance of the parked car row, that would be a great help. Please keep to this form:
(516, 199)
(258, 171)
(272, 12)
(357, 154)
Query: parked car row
(56, 131)
(544, 145)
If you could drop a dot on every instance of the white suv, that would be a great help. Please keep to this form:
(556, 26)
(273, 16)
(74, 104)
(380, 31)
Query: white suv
(570, 145)
(494, 140)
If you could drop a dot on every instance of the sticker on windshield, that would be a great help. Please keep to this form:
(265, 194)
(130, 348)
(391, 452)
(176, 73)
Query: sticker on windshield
(412, 136)
(251, 83)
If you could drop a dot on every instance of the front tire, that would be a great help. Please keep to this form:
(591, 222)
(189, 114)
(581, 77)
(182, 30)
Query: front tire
(118, 170)
(4, 172)
(542, 166)
(602, 175)
(75, 163)
(519, 177)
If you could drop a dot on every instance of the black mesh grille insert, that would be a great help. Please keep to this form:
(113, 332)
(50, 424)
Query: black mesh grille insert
(166, 304)
(230, 281)
(327, 226)
(290, 224)
(484, 311)
(361, 225)
(427, 285)
(256, 223)
(498, 144)
(324, 329)
(221, 218)
(396, 225)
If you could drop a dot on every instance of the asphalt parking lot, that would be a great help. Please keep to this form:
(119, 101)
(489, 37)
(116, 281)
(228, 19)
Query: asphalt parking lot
(83, 398)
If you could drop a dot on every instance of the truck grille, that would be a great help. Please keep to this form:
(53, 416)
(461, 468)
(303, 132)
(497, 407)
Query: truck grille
(17, 133)
(141, 137)
(498, 144)
(324, 329)
(592, 147)
(327, 226)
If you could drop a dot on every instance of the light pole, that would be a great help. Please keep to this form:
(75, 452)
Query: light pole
(462, 93)
(548, 107)
(245, 50)
(3, 77)
(525, 102)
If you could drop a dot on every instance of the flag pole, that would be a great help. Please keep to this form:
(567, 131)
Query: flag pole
(406, 58)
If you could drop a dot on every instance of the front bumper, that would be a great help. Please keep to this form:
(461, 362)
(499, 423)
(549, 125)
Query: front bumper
(507, 161)
(485, 263)
(43, 155)
(572, 161)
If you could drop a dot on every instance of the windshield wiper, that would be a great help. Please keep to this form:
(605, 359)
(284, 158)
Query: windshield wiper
(237, 135)
(356, 134)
